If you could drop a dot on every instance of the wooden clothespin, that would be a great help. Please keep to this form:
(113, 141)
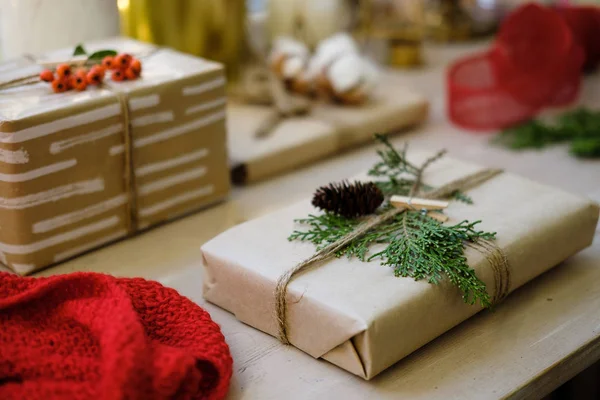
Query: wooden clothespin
(432, 206)
(419, 204)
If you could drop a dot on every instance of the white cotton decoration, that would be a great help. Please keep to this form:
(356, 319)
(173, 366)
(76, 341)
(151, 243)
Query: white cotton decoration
(340, 43)
(336, 69)
(352, 78)
(352, 72)
(288, 57)
(346, 73)
(292, 67)
(331, 49)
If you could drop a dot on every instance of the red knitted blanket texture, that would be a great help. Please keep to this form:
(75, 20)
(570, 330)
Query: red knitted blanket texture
(93, 336)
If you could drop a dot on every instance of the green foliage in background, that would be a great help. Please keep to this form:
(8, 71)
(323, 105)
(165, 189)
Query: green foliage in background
(580, 128)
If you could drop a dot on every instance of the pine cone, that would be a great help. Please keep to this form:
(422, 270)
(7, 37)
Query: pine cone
(348, 199)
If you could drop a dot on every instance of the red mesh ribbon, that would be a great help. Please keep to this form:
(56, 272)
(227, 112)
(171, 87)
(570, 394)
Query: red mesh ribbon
(536, 62)
(584, 23)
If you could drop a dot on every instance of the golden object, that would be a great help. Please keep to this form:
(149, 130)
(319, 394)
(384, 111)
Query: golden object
(403, 52)
(398, 23)
(213, 29)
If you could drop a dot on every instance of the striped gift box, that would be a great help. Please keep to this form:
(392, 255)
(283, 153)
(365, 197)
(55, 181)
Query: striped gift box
(63, 186)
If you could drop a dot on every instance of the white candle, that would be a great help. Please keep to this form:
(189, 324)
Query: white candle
(35, 26)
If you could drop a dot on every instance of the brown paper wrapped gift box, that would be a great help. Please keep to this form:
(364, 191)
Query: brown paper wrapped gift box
(63, 157)
(328, 129)
(359, 316)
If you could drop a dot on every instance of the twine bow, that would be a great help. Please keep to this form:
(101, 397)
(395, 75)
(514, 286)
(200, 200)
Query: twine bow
(493, 253)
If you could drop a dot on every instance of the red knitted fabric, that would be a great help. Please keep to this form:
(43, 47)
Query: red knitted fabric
(93, 336)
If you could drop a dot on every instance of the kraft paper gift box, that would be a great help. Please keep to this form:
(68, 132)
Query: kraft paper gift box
(326, 130)
(358, 315)
(63, 156)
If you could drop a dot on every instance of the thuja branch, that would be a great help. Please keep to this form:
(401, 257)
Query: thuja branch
(416, 246)
(399, 174)
(411, 243)
(580, 127)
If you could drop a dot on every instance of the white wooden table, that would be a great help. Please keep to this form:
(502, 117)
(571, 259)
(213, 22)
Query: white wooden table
(542, 335)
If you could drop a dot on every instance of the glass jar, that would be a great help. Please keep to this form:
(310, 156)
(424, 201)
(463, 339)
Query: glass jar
(213, 29)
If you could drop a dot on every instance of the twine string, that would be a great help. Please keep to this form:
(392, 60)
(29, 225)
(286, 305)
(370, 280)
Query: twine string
(498, 260)
(129, 167)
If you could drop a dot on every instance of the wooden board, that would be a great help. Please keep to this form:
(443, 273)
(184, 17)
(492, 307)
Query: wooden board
(328, 129)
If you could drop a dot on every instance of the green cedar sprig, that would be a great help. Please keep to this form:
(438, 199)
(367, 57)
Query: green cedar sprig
(399, 173)
(417, 246)
(580, 127)
(411, 243)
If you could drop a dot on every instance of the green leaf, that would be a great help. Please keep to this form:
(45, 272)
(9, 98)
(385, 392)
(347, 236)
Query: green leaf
(580, 127)
(99, 55)
(586, 147)
(79, 50)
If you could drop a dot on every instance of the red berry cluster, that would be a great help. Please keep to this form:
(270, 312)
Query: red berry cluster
(123, 67)
(64, 78)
